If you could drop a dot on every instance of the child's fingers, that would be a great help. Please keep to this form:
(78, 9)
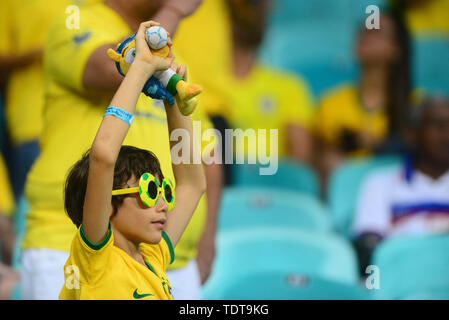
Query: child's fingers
(170, 55)
(174, 66)
(182, 71)
(170, 60)
(148, 24)
(169, 42)
(143, 27)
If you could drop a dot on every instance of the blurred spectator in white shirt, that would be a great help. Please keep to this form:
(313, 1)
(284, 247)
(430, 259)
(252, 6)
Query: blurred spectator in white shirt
(412, 199)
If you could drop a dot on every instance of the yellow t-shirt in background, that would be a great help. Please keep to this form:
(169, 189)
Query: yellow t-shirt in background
(430, 18)
(204, 41)
(6, 197)
(24, 29)
(340, 111)
(106, 272)
(71, 121)
(268, 99)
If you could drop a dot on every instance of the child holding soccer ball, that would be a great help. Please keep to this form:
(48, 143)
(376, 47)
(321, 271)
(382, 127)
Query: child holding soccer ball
(165, 84)
(121, 203)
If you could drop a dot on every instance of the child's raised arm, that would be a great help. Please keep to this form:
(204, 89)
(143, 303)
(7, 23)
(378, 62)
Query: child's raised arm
(110, 136)
(190, 177)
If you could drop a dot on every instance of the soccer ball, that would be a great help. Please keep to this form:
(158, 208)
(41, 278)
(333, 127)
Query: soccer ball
(157, 37)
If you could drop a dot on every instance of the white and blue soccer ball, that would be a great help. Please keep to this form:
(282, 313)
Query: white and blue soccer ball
(157, 37)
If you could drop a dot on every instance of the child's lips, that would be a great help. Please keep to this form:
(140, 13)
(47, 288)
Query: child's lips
(159, 223)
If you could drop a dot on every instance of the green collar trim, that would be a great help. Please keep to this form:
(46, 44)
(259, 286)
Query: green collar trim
(150, 267)
(97, 246)
(170, 246)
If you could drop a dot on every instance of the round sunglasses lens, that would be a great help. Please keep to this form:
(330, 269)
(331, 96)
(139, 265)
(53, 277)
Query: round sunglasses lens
(152, 190)
(168, 193)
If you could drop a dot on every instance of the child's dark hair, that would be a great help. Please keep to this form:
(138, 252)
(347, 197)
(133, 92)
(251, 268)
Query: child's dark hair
(130, 162)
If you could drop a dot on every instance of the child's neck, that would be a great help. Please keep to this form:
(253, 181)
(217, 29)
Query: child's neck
(129, 247)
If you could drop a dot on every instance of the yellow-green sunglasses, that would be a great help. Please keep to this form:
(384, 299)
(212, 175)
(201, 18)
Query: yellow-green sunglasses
(149, 191)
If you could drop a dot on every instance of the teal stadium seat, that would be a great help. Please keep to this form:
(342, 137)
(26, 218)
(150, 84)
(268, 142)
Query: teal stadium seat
(288, 286)
(247, 207)
(322, 63)
(433, 295)
(430, 58)
(20, 224)
(288, 11)
(290, 175)
(413, 267)
(344, 185)
(280, 251)
(315, 39)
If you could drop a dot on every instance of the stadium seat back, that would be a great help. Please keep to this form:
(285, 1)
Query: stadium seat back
(295, 48)
(433, 295)
(246, 207)
(429, 58)
(286, 286)
(344, 185)
(282, 251)
(316, 39)
(413, 267)
(319, 11)
(21, 211)
(291, 176)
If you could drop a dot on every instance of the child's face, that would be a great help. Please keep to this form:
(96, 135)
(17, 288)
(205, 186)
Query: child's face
(137, 222)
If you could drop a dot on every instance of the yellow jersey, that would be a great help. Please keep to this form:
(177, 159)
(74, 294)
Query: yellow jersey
(430, 18)
(6, 197)
(268, 99)
(71, 120)
(105, 272)
(204, 41)
(341, 115)
(23, 30)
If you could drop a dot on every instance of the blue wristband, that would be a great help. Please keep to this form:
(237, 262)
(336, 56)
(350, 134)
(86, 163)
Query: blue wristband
(120, 113)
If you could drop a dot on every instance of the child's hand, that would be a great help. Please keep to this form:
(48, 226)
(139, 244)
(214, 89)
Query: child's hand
(180, 70)
(143, 52)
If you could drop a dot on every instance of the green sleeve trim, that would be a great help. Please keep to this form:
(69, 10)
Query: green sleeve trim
(170, 246)
(171, 85)
(97, 246)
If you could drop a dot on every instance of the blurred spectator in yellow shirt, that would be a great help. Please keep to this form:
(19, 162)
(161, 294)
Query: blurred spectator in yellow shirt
(23, 32)
(77, 93)
(258, 96)
(203, 40)
(426, 17)
(428, 21)
(364, 117)
(8, 277)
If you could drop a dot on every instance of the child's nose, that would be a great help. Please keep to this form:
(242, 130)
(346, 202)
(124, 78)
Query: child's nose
(161, 205)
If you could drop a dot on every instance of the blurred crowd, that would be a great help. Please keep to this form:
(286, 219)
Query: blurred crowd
(362, 117)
